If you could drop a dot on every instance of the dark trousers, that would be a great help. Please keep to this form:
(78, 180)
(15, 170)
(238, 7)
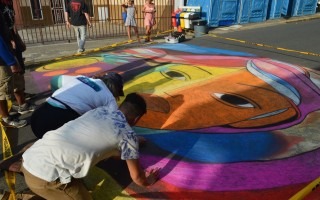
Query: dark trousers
(46, 118)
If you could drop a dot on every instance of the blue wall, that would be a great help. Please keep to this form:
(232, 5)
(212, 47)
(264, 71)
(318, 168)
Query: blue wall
(228, 12)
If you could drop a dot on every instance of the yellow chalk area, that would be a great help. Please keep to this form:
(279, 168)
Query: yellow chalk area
(306, 190)
(103, 186)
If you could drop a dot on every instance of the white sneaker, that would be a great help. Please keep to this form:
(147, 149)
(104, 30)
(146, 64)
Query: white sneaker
(81, 50)
(14, 122)
(25, 108)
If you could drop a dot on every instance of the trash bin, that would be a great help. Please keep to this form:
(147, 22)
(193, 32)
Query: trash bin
(182, 19)
(200, 30)
(200, 27)
(186, 21)
(199, 22)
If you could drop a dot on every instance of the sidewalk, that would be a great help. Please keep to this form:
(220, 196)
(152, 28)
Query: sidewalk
(40, 53)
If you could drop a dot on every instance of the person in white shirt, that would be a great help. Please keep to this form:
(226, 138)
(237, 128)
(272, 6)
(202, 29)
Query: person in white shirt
(54, 165)
(76, 96)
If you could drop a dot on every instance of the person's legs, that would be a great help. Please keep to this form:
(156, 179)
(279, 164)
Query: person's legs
(137, 33)
(77, 32)
(148, 32)
(83, 35)
(5, 88)
(6, 92)
(55, 190)
(42, 122)
(129, 32)
(19, 87)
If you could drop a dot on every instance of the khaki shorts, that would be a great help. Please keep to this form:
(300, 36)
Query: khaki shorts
(6, 83)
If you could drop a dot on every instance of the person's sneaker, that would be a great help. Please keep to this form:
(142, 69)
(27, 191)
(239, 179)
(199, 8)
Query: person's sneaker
(15, 107)
(14, 110)
(14, 122)
(81, 50)
(25, 108)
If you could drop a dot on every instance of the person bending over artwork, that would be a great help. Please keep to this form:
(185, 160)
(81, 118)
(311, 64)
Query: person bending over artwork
(73, 98)
(54, 165)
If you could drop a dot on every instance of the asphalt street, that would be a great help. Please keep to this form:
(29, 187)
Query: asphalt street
(294, 41)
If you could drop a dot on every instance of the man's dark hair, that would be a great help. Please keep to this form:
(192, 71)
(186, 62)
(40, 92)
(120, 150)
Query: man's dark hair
(135, 104)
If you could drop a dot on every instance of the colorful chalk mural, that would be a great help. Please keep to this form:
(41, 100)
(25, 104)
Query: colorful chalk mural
(220, 124)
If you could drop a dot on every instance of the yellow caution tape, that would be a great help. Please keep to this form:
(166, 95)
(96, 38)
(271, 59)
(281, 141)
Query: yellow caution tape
(306, 190)
(10, 176)
(6, 150)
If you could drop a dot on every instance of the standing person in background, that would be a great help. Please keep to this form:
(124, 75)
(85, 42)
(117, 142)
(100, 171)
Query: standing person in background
(130, 19)
(8, 66)
(149, 11)
(77, 10)
(6, 8)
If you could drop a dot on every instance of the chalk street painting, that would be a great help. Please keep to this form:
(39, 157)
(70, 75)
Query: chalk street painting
(220, 124)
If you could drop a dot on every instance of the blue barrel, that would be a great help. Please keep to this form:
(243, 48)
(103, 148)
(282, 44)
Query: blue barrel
(200, 30)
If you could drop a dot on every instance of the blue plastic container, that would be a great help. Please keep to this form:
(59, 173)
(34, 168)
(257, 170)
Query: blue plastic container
(274, 9)
(252, 11)
(258, 10)
(299, 7)
(228, 12)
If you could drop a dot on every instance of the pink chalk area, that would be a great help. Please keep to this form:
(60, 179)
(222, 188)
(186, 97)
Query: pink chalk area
(237, 176)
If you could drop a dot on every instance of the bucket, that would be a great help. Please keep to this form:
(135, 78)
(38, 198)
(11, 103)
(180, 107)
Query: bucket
(200, 30)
